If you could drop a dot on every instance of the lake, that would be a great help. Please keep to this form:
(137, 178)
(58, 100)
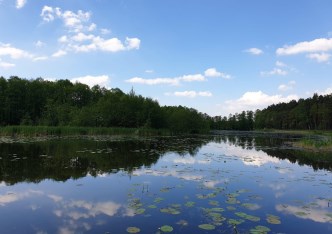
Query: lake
(188, 184)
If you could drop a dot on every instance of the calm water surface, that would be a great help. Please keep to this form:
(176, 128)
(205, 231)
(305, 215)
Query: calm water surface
(219, 184)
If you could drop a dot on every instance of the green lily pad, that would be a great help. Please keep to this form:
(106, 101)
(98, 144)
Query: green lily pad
(158, 200)
(140, 211)
(133, 230)
(260, 230)
(189, 204)
(251, 206)
(166, 228)
(235, 221)
(214, 203)
(248, 217)
(152, 206)
(207, 226)
(272, 219)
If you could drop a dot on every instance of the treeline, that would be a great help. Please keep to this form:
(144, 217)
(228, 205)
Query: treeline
(313, 113)
(62, 103)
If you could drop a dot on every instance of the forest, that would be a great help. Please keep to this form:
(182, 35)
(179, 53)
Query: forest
(314, 113)
(39, 102)
(62, 103)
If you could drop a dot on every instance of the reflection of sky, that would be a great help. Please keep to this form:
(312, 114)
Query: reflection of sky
(317, 211)
(79, 206)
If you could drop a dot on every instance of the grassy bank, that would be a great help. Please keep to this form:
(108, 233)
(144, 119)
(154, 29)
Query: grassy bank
(35, 131)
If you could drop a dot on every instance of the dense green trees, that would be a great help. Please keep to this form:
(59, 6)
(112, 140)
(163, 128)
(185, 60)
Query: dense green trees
(62, 103)
(313, 113)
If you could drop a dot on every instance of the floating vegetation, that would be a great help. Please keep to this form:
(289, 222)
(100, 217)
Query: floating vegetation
(207, 226)
(260, 230)
(170, 210)
(133, 230)
(166, 228)
(152, 206)
(300, 213)
(213, 203)
(272, 219)
(140, 211)
(248, 217)
(235, 222)
(251, 206)
(231, 208)
(189, 204)
(158, 200)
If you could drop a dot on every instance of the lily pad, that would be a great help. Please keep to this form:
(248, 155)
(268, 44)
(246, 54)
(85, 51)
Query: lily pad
(166, 228)
(133, 230)
(189, 204)
(235, 221)
(140, 211)
(272, 219)
(260, 230)
(248, 217)
(207, 226)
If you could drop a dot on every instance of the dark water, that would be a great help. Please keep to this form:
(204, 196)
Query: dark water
(228, 184)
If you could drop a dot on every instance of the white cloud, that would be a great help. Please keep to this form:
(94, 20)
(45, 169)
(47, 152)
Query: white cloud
(275, 71)
(156, 81)
(59, 53)
(254, 51)
(39, 44)
(212, 72)
(6, 65)
(149, 71)
(41, 58)
(280, 64)
(190, 94)
(14, 53)
(20, 3)
(105, 31)
(170, 81)
(253, 101)
(317, 45)
(132, 43)
(103, 80)
(319, 57)
(79, 37)
(286, 87)
(190, 78)
(326, 91)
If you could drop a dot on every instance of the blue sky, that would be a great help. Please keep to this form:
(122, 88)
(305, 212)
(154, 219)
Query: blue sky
(217, 56)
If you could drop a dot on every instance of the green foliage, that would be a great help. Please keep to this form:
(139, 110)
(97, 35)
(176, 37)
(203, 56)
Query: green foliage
(62, 103)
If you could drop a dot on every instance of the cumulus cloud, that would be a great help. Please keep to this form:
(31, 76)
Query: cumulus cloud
(190, 94)
(20, 3)
(169, 81)
(12, 52)
(156, 81)
(6, 65)
(102, 81)
(289, 86)
(79, 36)
(40, 58)
(319, 57)
(212, 72)
(39, 44)
(59, 53)
(317, 45)
(280, 64)
(274, 71)
(253, 101)
(254, 51)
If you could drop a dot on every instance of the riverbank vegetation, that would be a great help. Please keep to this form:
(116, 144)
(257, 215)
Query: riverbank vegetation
(67, 106)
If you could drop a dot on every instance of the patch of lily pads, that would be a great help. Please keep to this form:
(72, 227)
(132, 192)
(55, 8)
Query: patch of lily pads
(207, 226)
(166, 228)
(133, 230)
